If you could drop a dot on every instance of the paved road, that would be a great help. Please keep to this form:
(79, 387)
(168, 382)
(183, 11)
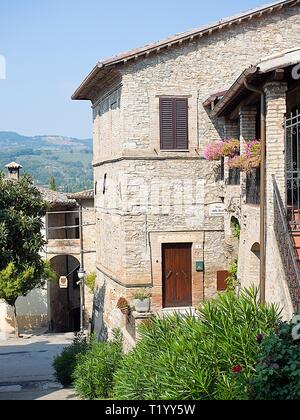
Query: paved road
(26, 368)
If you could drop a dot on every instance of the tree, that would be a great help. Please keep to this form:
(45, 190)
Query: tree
(22, 268)
(52, 183)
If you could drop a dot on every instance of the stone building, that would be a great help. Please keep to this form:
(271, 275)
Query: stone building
(51, 307)
(276, 80)
(159, 208)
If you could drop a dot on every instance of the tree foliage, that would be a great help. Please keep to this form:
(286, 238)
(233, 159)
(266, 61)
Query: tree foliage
(52, 183)
(21, 265)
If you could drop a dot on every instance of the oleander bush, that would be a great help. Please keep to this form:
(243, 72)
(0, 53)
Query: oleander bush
(64, 364)
(277, 375)
(94, 371)
(210, 356)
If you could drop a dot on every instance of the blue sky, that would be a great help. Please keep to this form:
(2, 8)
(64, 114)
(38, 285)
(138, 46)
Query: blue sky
(51, 45)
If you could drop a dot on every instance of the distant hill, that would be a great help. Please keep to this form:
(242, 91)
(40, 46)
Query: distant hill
(68, 159)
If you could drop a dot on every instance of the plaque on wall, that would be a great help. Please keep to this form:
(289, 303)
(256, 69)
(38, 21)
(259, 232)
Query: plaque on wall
(217, 210)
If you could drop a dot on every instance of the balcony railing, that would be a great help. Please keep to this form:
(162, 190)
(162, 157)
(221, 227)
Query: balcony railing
(286, 248)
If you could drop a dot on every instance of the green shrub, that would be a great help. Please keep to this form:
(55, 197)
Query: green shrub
(278, 368)
(197, 358)
(232, 280)
(95, 369)
(90, 281)
(65, 363)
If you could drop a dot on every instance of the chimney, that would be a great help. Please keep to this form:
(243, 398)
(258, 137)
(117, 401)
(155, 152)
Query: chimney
(13, 171)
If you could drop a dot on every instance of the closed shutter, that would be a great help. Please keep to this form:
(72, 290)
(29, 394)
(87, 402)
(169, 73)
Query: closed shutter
(174, 123)
(181, 122)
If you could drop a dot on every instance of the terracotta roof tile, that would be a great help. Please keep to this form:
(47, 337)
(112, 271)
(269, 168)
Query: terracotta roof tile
(82, 93)
(82, 195)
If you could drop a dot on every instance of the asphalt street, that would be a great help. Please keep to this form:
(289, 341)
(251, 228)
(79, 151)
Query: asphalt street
(26, 371)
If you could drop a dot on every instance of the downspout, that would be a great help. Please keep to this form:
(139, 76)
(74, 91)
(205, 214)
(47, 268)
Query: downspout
(262, 191)
(82, 284)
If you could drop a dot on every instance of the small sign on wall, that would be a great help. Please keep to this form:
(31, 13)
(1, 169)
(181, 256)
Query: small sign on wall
(217, 210)
(63, 282)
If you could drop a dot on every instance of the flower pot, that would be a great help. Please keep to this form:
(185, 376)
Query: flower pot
(142, 306)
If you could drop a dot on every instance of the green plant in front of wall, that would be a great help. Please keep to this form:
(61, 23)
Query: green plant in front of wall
(235, 226)
(232, 280)
(95, 369)
(65, 363)
(142, 296)
(201, 357)
(90, 281)
(22, 267)
(277, 373)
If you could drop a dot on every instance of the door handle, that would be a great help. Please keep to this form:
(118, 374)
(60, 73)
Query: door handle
(169, 275)
(184, 273)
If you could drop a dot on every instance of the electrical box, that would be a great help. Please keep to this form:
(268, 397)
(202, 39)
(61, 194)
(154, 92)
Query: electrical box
(200, 266)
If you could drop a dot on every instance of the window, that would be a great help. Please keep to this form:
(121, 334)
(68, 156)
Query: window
(77, 233)
(174, 124)
(104, 184)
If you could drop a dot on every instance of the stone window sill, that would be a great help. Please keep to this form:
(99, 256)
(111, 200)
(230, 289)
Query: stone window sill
(175, 151)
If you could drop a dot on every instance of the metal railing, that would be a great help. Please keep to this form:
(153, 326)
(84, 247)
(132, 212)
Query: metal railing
(286, 247)
(292, 148)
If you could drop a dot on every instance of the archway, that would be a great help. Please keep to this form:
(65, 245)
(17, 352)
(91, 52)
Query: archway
(65, 303)
(235, 227)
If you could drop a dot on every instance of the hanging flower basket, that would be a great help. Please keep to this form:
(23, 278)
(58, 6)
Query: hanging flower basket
(231, 148)
(249, 160)
(218, 149)
(213, 151)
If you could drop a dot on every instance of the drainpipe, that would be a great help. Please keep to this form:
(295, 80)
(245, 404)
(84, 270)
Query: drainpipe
(81, 272)
(262, 192)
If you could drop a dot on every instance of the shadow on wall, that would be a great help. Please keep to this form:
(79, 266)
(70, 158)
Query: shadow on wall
(98, 326)
(31, 310)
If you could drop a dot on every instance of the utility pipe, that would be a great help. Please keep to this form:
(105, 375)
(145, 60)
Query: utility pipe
(262, 191)
(81, 271)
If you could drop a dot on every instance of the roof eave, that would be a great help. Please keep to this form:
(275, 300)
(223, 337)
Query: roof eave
(239, 84)
(81, 92)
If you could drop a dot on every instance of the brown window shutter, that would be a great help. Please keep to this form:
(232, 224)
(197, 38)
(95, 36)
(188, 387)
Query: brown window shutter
(222, 277)
(167, 124)
(174, 123)
(181, 124)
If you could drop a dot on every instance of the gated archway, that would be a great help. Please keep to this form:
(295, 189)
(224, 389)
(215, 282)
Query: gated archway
(65, 303)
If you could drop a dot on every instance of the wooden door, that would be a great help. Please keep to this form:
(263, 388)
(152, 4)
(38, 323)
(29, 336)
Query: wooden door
(177, 275)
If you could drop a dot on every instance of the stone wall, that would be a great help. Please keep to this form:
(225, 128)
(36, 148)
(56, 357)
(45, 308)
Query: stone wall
(194, 70)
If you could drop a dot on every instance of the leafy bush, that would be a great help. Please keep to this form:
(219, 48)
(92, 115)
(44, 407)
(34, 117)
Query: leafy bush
(93, 376)
(232, 280)
(278, 369)
(65, 363)
(90, 281)
(142, 295)
(197, 358)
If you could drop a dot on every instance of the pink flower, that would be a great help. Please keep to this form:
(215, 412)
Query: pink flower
(213, 151)
(253, 149)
